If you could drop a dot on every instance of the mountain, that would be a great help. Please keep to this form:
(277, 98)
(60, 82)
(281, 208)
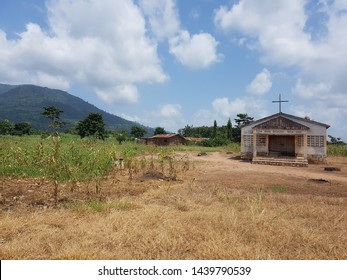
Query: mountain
(25, 103)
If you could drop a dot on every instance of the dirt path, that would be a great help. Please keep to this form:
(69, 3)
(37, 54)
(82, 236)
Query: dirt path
(227, 169)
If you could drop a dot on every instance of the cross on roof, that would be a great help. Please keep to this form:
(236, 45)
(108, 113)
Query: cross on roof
(280, 101)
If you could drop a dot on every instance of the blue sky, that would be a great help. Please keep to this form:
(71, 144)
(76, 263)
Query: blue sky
(171, 63)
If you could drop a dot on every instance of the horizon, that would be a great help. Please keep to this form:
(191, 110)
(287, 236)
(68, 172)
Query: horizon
(183, 63)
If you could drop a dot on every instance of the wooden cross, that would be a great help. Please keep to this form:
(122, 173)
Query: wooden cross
(280, 101)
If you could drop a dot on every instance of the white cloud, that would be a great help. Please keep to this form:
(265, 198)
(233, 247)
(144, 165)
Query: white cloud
(197, 51)
(168, 116)
(278, 25)
(134, 118)
(261, 84)
(100, 44)
(204, 117)
(170, 111)
(226, 108)
(122, 94)
(285, 36)
(316, 90)
(279, 28)
(163, 17)
(78, 47)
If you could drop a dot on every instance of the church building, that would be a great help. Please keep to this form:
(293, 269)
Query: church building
(283, 139)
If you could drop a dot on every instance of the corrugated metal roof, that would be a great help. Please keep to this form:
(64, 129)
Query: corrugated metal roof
(165, 135)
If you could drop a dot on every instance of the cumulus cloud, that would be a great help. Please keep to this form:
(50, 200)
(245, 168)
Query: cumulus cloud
(163, 17)
(122, 94)
(280, 31)
(204, 117)
(105, 45)
(170, 111)
(78, 47)
(315, 90)
(197, 51)
(168, 116)
(261, 84)
(226, 108)
(278, 26)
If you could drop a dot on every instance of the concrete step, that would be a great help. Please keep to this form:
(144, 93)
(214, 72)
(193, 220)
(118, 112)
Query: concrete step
(298, 162)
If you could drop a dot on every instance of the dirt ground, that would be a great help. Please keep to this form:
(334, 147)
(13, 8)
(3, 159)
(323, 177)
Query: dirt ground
(227, 169)
(198, 207)
(221, 169)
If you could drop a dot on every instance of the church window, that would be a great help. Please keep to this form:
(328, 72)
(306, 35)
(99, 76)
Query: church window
(248, 140)
(315, 141)
(300, 140)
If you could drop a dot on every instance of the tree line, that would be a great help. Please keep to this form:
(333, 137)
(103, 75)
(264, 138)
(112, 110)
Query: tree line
(218, 135)
(92, 125)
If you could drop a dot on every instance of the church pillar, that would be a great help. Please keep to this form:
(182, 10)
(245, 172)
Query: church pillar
(254, 144)
(305, 146)
(325, 145)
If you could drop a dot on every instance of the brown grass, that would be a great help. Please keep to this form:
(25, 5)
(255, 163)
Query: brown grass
(198, 216)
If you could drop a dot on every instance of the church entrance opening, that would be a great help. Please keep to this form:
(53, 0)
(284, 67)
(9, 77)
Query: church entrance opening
(282, 145)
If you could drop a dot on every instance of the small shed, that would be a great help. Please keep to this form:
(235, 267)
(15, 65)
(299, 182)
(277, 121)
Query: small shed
(164, 140)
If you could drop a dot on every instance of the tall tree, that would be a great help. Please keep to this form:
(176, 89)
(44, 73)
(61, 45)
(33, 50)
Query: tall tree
(5, 127)
(22, 128)
(242, 119)
(159, 130)
(92, 125)
(137, 131)
(53, 114)
(229, 129)
(121, 136)
(214, 134)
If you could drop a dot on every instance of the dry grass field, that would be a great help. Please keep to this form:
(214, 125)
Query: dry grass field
(208, 207)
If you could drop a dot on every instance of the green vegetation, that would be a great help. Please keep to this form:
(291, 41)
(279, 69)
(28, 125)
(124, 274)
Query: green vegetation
(159, 130)
(5, 127)
(122, 136)
(68, 158)
(53, 114)
(93, 125)
(339, 150)
(137, 131)
(19, 129)
(22, 128)
(278, 188)
(336, 147)
(62, 159)
(335, 140)
(218, 135)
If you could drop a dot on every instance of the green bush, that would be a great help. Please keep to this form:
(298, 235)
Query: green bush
(337, 150)
(215, 142)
